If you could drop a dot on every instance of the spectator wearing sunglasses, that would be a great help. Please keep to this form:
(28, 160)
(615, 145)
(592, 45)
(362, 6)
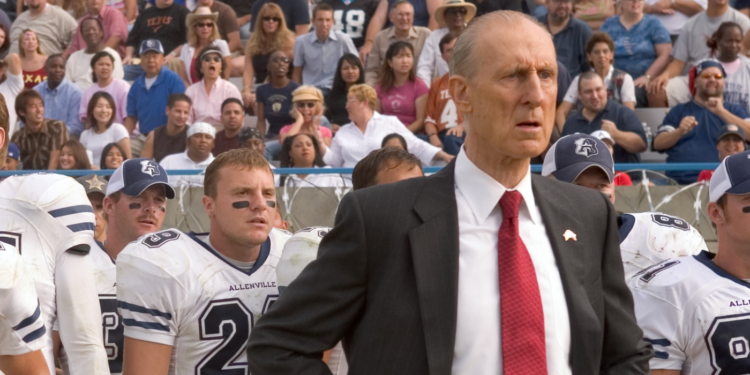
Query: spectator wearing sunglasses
(274, 101)
(202, 32)
(211, 91)
(308, 113)
(452, 16)
(690, 131)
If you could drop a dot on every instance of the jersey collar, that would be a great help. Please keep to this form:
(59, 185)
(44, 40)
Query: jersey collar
(265, 249)
(707, 259)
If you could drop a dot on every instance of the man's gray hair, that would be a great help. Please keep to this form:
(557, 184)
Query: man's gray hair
(463, 60)
(399, 3)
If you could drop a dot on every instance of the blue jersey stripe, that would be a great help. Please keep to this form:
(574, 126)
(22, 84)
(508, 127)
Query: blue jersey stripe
(35, 335)
(141, 309)
(71, 210)
(82, 226)
(660, 342)
(147, 325)
(30, 320)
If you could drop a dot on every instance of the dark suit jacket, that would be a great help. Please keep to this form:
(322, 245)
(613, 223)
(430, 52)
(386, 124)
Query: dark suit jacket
(386, 282)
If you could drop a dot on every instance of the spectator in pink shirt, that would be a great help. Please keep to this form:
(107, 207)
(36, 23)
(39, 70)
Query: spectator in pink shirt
(400, 92)
(103, 65)
(212, 90)
(115, 27)
(308, 111)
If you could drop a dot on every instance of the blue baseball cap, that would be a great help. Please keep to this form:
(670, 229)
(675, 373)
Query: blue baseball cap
(575, 153)
(134, 176)
(13, 151)
(732, 177)
(151, 45)
(730, 129)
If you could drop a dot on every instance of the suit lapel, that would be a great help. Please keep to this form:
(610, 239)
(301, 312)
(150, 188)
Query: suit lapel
(434, 249)
(569, 258)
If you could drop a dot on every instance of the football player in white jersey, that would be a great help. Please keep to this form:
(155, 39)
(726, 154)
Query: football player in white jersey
(189, 301)
(648, 238)
(134, 205)
(50, 220)
(299, 251)
(22, 330)
(695, 310)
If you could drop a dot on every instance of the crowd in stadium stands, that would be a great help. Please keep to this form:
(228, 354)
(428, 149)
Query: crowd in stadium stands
(90, 83)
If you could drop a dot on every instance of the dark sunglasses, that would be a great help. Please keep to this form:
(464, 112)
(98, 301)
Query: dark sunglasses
(456, 11)
(277, 60)
(211, 58)
(205, 24)
(274, 19)
(305, 104)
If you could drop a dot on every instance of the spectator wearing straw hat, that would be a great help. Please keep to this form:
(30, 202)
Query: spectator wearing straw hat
(452, 16)
(200, 143)
(203, 32)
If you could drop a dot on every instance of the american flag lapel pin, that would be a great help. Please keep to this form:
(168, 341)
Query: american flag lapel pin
(569, 235)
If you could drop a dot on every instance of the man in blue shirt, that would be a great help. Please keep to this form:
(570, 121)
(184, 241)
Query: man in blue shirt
(569, 35)
(147, 98)
(598, 113)
(62, 98)
(316, 54)
(691, 130)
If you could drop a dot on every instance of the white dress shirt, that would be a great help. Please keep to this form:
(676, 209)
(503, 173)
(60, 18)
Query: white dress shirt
(349, 146)
(182, 161)
(431, 59)
(478, 347)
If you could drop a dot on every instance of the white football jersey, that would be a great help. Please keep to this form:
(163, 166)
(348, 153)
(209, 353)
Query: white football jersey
(174, 289)
(696, 315)
(648, 238)
(300, 250)
(21, 324)
(45, 216)
(112, 327)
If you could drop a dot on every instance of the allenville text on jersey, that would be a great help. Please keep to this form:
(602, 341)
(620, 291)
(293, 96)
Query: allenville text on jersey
(252, 286)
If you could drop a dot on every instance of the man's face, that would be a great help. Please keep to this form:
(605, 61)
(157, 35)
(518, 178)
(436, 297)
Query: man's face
(448, 51)
(710, 83)
(178, 114)
(593, 94)
(136, 216)
(595, 179)
(255, 144)
(394, 174)
(232, 116)
(510, 104)
(455, 17)
(151, 62)
(34, 111)
(205, 3)
(200, 144)
(91, 33)
(55, 69)
(10, 164)
(718, 3)
(736, 224)
(247, 226)
(402, 17)
(559, 10)
(94, 6)
(730, 145)
(97, 202)
(323, 23)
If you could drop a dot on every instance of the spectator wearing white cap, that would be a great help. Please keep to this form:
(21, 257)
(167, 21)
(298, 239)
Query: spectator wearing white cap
(200, 142)
(582, 160)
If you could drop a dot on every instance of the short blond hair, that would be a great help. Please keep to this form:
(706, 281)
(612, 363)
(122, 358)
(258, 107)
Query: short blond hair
(364, 92)
(240, 158)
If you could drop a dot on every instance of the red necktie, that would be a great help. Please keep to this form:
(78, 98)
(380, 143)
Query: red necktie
(524, 350)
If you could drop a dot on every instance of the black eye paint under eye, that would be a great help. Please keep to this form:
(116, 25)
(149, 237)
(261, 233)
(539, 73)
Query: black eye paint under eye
(746, 209)
(245, 204)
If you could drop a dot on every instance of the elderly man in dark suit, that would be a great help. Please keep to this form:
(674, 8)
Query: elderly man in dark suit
(482, 268)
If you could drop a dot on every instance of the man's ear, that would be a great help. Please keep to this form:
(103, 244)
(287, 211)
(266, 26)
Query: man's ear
(716, 214)
(3, 139)
(208, 205)
(459, 90)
